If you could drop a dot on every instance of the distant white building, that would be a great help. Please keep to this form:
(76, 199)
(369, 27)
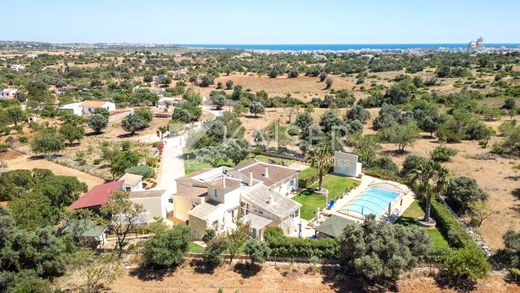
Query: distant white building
(17, 67)
(88, 107)
(8, 94)
(476, 46)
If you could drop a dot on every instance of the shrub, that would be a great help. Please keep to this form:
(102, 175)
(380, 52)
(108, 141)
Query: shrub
(258, 251)
(307, 177)
(167, 247)
(145, 171)
(212, 255)
(463, 191)
(442, 154)
(3, 147)
(23, 139)
(383, 174)
(325, 248)
(210, 234)
(468, 262)
(411, 162)
(378, 251)
(387, 164)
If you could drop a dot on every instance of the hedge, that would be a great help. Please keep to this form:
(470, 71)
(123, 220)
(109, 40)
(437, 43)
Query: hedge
(307, 177)
(145, 171)
(449, 226)
(323, 248)
(383, 174)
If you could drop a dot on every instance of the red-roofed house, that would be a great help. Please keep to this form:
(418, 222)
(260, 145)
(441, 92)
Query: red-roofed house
(97, 196)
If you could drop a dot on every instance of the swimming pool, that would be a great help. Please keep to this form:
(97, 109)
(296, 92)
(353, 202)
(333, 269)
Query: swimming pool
(373, 201)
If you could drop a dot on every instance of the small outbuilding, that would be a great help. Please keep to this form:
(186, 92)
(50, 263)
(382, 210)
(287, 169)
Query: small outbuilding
(332, 227)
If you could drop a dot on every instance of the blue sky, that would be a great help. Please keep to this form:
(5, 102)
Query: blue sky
(261, 22)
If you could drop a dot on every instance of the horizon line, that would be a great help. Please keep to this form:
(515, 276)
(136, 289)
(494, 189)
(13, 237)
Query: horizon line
(267, 43)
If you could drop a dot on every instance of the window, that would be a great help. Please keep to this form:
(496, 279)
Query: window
(215, 192)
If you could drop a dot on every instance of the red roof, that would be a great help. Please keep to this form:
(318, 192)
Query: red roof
(97, 196)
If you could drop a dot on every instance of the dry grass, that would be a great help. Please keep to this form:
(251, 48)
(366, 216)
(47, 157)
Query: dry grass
(497, 177)
(281, 278)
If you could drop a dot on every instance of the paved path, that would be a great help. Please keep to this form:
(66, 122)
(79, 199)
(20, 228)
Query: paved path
(172, 166)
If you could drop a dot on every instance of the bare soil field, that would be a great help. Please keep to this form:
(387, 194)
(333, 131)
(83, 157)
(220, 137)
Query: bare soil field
(493, 174)
(26, 162)
(303, 87)
(282, 278)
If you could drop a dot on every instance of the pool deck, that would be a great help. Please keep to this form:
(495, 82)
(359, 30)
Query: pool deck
(366, 181)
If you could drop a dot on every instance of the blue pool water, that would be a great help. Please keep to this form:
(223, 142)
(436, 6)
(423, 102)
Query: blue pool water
(373, 201)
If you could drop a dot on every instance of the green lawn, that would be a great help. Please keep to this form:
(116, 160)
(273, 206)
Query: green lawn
(195, 248)
(191, 164)
(409, 218)
(311, 200)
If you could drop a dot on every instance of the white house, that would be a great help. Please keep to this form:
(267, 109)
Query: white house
(17, 67)
(156, 203)
(253, 192)
(88, 107)
(132, 182)
(8, 94)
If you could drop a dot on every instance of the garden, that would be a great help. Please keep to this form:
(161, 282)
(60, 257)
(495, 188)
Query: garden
(336, 185)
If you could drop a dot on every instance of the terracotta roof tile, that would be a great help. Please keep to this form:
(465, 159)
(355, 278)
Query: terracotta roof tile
(92, 104)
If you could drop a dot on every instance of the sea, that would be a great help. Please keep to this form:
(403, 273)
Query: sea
(344, 47)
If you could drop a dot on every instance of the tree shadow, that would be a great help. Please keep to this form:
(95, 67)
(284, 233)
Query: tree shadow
(202, 267)
(427, 136)
(516, 193)
(92, 133)
(252, 116)
(445, 281)
(396, 153)
(339, 281)
(37, 157)
(247, 270)
(151, 274)
(513, 177)
(125, 135)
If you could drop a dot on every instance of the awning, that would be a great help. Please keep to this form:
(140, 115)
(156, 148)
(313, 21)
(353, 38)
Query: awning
(255, 221)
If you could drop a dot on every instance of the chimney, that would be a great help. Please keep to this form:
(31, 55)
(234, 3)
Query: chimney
(250, 178)
(266, 174)
(270, 199)
(223, 182)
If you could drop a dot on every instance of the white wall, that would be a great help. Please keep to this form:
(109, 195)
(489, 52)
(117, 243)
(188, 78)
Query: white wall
(346, 164)
(152, 205)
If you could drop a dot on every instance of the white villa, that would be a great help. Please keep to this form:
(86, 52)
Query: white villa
(87, 107)
(254, 192)
(8, 94)
(17, 67)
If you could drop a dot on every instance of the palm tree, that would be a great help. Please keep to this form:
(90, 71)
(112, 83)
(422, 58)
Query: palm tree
(321, 158)
(428, 180)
